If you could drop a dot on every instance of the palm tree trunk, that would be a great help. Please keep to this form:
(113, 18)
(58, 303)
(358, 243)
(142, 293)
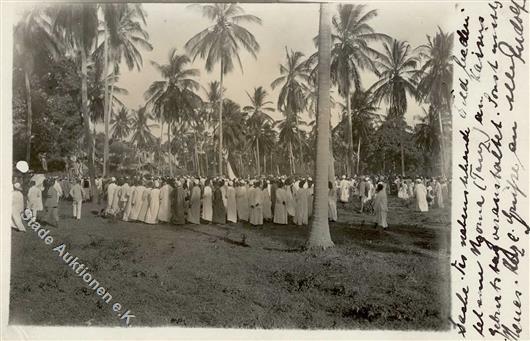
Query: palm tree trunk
(30, 115)
(442, 144)
(319, 236)
(402, 160)
(264, 164)
(159, 161)
(291, 157)
(106, 117)
(349, 136)
(86, 120)
(257, 155)
(358, 154)
(221, 121)
(169, 148)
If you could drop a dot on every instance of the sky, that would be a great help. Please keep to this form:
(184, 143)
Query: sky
(283, 25)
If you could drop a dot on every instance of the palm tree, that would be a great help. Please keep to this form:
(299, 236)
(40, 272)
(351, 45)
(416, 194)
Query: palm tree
(123, 36)
(33, 32)
(435, 80)
(294, 77)
(350, 54)
(258, 117)
(221, 43)
(397, 68)
(289, 134)
(77, 26)
(141, 127)
(319, 236)
(174, 96)
(121, 124)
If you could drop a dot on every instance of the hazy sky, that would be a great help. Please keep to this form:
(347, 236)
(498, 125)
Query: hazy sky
(291, 25)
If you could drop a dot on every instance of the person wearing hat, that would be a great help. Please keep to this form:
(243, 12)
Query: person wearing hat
(207, 210)
(231, 205)
(154, 204)
(136, 200)
(111, 192)
(420, 193)
(301, 198)
(380, 206)
(242, 201)
(194, 213)
(256, 209)
(344, 190)
(52, 204)
(280, 207)
(35, 199)
(266, 201)
(164, 213)
(76, 193)
(219, 211)
(17, 207)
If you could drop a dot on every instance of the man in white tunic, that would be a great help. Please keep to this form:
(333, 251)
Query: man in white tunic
(242, 201)
(164, 213)
(231, 208)
(256, 209)
(420, 193)
(280, 209)
(301, 198)
(128, 207)
(154, 204)
(207, 209)
(136, 203)
(35, 199)
(344, 190)
(111, 192)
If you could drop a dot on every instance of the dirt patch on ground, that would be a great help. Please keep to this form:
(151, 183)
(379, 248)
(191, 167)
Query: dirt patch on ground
(238, 275)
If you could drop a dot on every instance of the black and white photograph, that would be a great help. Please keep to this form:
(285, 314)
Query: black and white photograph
(233, 165)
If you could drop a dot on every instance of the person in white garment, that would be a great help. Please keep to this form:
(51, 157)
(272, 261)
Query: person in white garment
(35, 199)
(420, 193)
(76, 193)
(128, 207)
(242, 201)
(154, 204)
(380, 206)
(231, 208)
(344, 190)
(332, 202)
(301, 199)
(136, 203)
(17, 207)
(111, 192)
(164, 212)
(207, 209)
(125, 194)
(280, 208)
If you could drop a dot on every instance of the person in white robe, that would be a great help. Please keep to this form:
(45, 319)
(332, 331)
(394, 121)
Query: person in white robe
(111, 192)
(144, 206)
(35, 199)
(115, 207)
(154, 204)
(207, 209)
(125, 194)
(231, 208)
(301, 198)
(17, 207)
(164, 212)
(256, 209)
(280, 206)
(129, 205)
(136, 203)
(76, 193)
(291, 211)
(266, 202)
(420, 193)
(380, 206)
(194, 212)
(332, 202)
(242, 202)
(344, 190)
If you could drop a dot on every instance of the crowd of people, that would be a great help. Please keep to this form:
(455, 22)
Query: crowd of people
(195, 200)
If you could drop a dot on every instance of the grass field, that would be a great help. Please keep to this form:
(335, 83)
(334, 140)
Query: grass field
(237, 275)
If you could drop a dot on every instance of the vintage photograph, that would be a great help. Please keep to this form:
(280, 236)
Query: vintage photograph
(255, 165)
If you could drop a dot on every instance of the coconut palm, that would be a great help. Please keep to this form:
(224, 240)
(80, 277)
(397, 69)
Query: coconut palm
(319, 236)
(123, 36)
(435, 80)
(294, 79)
(221, 42)
(141, 127)
(350, 54)
(258, 117)
(174, 97)
(34, 32)
(288, 136)
(121, 125)
(77, 26)
(397, 68)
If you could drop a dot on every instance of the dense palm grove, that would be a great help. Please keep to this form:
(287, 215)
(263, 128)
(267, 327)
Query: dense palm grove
(67, 97)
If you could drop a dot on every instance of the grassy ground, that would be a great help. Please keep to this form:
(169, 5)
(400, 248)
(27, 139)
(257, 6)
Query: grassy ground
(239, 276)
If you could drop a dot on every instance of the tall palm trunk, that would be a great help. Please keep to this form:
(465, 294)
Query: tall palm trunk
(30, 115)
(169, 148)
(442, 144)
(257, 156)
(291, 158)
(349, 136)
(358, 154)
(106, 117)
(319, 236)
(86, 120)
(221, 121)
